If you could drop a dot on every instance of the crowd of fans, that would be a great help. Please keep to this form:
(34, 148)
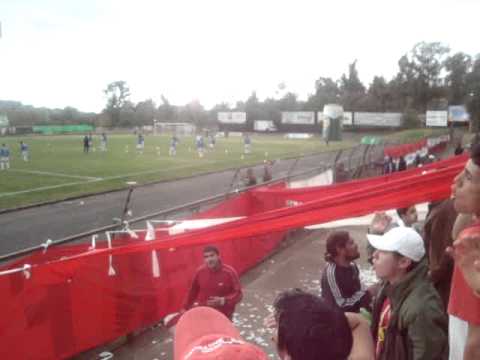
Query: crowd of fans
(426, 304)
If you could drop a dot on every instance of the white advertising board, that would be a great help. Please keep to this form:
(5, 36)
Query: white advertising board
(264, 125)
(298, 117)
(377, 119)
(347, 118)
(437, 118)
(232, 117)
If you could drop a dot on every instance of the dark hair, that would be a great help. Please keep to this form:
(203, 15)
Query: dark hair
(211, 248)
(402, 211)
(335, 240)
(310, 329)
(475, 154)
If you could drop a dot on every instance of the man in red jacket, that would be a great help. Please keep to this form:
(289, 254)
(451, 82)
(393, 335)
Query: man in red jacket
(214, 284)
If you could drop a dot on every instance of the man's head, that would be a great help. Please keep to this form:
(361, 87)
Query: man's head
(310, 329)
(211, 256)
(408, 215)
(340, 245)
(397, 252)
(466, 185)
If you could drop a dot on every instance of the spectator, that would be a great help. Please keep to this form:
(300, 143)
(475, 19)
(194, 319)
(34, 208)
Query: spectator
(438, 237)
(382, 222)
(458, 149)
(388, 165)
(341, 278)
(267, 171)
(341, 175)
(464, 305)
(402, 164)
(407, 216)
(250, 178)
(418, 160)
(307, 328)
(408, 319)
(204, 333)
(214, 284)
(475, 140)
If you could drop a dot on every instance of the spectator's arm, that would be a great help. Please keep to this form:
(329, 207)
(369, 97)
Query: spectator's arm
(236, 295)
(466, 252)
(362, 348)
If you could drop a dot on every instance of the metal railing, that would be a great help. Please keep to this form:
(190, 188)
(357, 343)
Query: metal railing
(351, 156)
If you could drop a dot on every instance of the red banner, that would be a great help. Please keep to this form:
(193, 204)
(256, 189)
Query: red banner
(73, 300)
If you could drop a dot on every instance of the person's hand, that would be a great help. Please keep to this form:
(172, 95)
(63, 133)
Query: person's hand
(269, 322)
(380, 223)
(216, 301)
(466, 253)
(363, 348)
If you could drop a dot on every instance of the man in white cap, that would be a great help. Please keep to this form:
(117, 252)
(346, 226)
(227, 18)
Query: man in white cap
(408, 317)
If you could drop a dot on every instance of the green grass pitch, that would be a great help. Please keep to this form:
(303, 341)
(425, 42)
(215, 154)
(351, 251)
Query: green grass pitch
(59, 169)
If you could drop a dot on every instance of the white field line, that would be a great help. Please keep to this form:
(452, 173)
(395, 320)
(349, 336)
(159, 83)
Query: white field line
(91, 180)
(48, 173)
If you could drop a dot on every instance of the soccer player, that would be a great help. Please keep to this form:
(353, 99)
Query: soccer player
(200, 145)
(173, 146)
(24, 150)
(4, 157)
(103, 142)
(247, 144)
(140, 143)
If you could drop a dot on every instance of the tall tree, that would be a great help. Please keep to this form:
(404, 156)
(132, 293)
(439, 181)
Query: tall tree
(326, 92)
(378, 94)
(145, 112)
(166, 112)
(117, 94)
(425, 64)
(457, 67)
(352, 89)
(473, 88)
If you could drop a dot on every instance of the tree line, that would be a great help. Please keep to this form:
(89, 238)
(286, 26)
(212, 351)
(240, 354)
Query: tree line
(429, 76)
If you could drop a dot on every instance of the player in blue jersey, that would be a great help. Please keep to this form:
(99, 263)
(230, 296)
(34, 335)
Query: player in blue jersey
(200, 145)
(247, 144)
(4, 157)
(24, 151)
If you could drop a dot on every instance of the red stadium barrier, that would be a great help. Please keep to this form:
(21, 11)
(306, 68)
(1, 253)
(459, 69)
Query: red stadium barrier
(70, 303)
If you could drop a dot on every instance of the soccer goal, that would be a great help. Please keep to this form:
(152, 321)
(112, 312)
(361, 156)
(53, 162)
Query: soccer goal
(182, 129)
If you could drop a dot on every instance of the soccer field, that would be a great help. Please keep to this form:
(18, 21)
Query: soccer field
(58, 167)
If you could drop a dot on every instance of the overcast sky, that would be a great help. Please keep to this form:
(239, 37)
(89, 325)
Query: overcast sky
(57, 53)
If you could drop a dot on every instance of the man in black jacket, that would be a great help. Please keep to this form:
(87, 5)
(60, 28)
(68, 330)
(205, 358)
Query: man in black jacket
(340, 279)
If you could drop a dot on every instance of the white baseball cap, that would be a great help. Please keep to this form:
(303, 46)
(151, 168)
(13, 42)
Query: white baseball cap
(401, 239)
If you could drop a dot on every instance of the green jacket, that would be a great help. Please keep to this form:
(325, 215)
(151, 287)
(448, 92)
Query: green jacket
(418, 325)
